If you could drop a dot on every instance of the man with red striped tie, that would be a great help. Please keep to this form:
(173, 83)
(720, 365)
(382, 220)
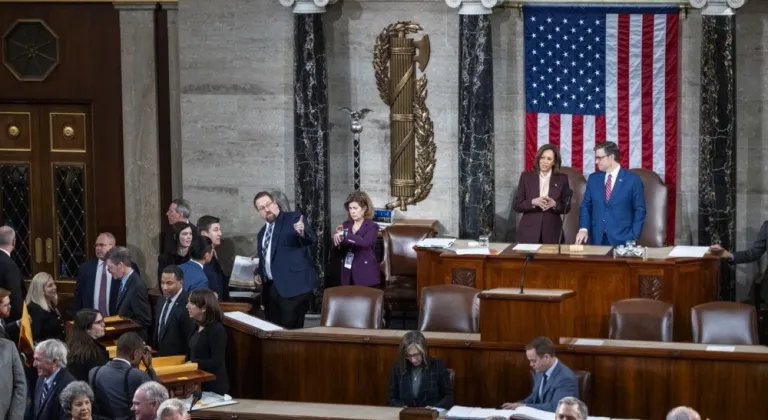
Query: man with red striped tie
(613, 209)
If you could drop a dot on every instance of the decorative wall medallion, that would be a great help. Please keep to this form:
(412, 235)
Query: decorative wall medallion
(30, 50)
(13, 132)
(464, 276)
(650, 287)
(412, 148)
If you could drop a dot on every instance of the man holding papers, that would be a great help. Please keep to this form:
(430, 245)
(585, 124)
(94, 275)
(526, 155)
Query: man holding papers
(553, 380)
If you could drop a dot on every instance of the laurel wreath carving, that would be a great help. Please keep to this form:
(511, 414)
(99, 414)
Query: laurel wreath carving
(423, 126)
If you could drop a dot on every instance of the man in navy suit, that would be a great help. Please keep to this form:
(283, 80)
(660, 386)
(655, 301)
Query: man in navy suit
(10, 275)
(173, 326)
(552, 381)
(132, 298)
(95, 287)
(218, 281)
(285, 266)
(50, 360)
(613, 209)
(200, 252)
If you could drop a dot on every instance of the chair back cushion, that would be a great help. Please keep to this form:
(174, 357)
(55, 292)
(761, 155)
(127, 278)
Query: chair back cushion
(449, 308)
(654, 232)
(584, 379)
(399, 255)
(724, 323)
(352, 307)
(578, 184)
(641, 319)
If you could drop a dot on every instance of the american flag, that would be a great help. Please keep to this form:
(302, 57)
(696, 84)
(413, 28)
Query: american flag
(597, 73)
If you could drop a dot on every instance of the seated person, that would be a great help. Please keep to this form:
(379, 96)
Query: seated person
(570, 408)
(683, 413)
(418, 380)
(553, 380)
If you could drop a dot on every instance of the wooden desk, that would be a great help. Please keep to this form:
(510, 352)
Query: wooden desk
(260, 409)
(508, 316)
(598, 280)
(630, 379)
(182, 385)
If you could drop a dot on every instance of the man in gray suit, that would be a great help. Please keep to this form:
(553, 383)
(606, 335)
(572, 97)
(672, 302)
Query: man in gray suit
(115, 383)
(553, 380)
(13, 383)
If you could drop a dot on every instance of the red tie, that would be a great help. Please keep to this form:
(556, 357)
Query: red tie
(103, 291)
(608, 188)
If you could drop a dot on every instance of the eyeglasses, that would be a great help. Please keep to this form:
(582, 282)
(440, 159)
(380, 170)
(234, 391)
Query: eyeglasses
(100, 245)
(99, 321)
(264, 207)
(599, 158)
(413, 356)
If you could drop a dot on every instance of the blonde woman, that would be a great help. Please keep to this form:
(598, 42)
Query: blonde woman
(418, 380)
(42, 301)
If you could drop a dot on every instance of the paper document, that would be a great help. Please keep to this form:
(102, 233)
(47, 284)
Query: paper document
(209, 400)
(473, 251)
(253, 321)
(527, 247)
(588, 342)
(239, 294)
(243, 268)
(436, 243)
(721, 348)
(688, 251)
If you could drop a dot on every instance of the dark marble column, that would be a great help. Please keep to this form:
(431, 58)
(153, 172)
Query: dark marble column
(476, 170)
(310, 135)
(717, 141)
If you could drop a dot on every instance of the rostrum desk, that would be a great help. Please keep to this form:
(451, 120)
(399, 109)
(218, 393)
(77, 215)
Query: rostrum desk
(595, 275)
(639, 380)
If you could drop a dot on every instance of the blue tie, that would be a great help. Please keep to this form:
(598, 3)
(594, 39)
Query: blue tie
(268, 238)
(46, 388)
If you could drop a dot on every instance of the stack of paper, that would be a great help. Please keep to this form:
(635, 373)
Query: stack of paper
(440, 243)
(522, 413)
(209, 400)
(243, 268)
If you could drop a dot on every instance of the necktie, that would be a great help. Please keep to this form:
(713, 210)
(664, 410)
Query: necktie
(164, 316)
(543, 384)
(102, 304)
(268, 238)
(44, 394)
(608, 188)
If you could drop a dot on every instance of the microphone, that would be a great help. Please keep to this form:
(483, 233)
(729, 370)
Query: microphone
(528, 258)
(196, 396)
(568, 195)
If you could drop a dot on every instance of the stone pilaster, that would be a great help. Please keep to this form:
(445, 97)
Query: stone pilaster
(310, 118)
(476, 134)
(717, 133)
(174, 96)
(140, 135)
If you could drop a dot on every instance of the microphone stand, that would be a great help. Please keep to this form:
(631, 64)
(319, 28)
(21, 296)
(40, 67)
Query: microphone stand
(568, 196)
(528, 258)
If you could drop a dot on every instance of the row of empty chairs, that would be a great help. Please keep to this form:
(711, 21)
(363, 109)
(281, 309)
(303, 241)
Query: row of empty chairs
(455, 308)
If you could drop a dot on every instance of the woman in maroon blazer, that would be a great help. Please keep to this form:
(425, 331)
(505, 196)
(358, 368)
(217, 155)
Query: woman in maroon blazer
(356, 239)
(540, 197)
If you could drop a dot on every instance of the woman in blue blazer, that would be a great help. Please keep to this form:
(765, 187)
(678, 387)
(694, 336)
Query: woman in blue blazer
(356, 239)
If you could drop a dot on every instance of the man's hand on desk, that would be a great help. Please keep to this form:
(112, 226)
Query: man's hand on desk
(581, 237)
(511, 406)
(719, 251)
(257, 280)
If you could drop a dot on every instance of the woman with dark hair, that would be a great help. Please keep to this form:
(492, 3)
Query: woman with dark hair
(356, 239)
(208, 343)
(418, 380)
(179, 253)
(541, 198)
(85, 350)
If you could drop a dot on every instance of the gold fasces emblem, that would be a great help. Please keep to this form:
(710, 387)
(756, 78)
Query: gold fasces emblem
(412, 158)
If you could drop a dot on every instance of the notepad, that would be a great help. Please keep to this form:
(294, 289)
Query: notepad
(473, 251)
(721, 348)
(253, 321)
(588, 342)
(440, 243)
(527, 247)
(688, 251)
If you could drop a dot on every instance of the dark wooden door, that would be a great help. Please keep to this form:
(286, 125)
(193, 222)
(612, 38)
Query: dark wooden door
(46, 188)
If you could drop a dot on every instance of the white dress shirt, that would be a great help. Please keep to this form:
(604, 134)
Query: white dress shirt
(268, 249)
(97, 284)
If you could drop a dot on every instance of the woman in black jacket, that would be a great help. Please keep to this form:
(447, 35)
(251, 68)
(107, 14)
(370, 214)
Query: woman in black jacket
(183, 234)
(42, 301)
(85, 350)
(208, 343)
(418, 380)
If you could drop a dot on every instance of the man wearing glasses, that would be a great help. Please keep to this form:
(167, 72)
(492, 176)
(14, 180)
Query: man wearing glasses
(95, 287)
(286, 269)
(613, 209)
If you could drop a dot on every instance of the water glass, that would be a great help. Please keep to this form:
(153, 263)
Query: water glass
(484, 241)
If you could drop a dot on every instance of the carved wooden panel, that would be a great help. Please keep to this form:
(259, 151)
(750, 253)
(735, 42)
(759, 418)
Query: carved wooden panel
(650, 286)
(464, 276)
(15, 131)
(68, 132)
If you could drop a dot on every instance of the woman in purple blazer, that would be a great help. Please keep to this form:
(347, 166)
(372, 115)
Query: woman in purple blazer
(541, 198)
(356, 239)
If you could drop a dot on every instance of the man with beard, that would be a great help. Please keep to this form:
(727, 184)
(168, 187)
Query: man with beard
(286, 269)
